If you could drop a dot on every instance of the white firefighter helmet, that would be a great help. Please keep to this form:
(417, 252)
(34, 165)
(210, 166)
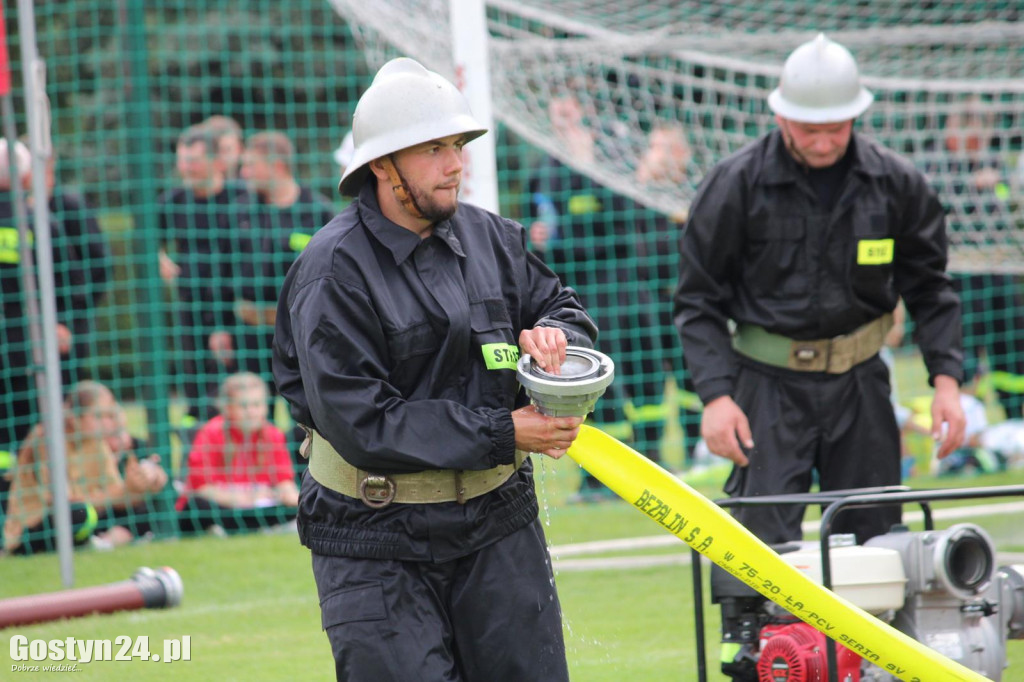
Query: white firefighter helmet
(22, 162)
(820, 83)
(405, 105)
(343, 154)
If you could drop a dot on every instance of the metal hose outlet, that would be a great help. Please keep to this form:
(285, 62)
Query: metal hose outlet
(161, 588)
(573, 392)
(964, 560)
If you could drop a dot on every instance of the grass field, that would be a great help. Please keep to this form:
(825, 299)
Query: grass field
(251, 612)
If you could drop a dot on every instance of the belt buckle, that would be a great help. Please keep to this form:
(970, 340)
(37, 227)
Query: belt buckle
(306, 447)
(377, 491)
(804, 354)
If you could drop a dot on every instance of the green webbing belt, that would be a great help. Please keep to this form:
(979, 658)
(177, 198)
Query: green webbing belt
(834, 356)
(330, 470)
(761, 345)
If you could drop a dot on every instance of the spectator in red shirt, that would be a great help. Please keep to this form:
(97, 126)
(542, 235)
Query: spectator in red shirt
(240, 475)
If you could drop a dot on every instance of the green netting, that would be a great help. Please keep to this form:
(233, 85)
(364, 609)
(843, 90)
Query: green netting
(124, 81)
(666, 89)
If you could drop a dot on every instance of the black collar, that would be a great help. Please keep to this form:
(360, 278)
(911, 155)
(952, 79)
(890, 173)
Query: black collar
(397, 239)
(781, 168)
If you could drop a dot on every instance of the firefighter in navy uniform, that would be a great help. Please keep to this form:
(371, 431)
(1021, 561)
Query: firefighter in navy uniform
(419, 504)
(202, 225)
(805, 240)
(89, 269)
(17, 386)
(18, 408)
(287, 216)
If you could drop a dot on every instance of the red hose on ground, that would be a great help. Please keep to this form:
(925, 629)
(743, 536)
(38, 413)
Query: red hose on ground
(147, 588)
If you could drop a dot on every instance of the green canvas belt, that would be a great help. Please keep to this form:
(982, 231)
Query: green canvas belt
(330, 470)
(834, 356)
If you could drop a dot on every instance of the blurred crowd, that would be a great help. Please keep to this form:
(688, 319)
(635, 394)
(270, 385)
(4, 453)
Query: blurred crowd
(229, 229)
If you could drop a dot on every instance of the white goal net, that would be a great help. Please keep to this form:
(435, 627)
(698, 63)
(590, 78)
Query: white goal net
(948, 78)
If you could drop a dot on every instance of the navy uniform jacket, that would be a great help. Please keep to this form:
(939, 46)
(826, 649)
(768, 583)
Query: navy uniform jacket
(594, 240)
(14, 329)
(92, 264)
(759, 249)
(278, 236)
(401, 353)
(203, 238)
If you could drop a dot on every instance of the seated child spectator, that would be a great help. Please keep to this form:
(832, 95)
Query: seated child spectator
(1005, 442)
(121, 523)
(95, 486)
(240, 475)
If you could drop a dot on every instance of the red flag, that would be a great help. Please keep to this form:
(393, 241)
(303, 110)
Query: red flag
(5, 74)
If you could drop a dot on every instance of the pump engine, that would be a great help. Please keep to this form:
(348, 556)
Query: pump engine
(940, 587)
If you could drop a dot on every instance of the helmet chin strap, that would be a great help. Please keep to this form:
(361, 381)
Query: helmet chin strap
(400, 188)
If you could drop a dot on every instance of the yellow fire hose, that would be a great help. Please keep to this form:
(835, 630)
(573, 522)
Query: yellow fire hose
(705, 527)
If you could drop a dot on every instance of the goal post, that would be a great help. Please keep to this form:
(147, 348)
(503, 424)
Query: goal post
(471, 64)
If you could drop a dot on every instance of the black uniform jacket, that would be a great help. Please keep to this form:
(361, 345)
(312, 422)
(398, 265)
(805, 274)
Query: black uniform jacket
(203, 236)
(401, 352)
(278, 236)
(758, 248)
(92, 263)
(14, 318)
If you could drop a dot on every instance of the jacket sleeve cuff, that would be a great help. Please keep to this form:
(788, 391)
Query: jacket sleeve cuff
(715, 388)
(573, 336)
(947, 369)
(503, 432)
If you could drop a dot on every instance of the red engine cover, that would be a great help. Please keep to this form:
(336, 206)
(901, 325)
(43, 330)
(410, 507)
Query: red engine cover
(796, 653)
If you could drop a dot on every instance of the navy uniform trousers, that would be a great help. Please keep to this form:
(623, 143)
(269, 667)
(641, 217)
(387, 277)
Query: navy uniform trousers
(842, 425)
(490, 616)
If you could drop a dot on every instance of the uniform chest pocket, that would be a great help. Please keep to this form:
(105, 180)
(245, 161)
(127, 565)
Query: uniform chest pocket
(873, 241)
(492, 334)
(776, 260)
(871, 259)
(418, 339)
